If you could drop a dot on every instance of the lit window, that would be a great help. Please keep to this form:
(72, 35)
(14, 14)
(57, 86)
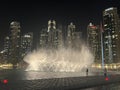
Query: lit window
(114, 54)
(113, 31)
(106, 42)
(116, 35)
(114, 45)
(105, 25)
(113, 36)
(106, 49)
(106, 36)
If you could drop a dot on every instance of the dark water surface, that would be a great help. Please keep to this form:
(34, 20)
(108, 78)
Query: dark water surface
(19, 74)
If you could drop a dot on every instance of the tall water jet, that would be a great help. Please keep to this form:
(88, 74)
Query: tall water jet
(60, 60)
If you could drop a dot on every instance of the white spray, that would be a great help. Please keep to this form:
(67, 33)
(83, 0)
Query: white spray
(60, 60)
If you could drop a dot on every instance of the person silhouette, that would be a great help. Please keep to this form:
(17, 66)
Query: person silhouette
(105, 72)
(87, 72)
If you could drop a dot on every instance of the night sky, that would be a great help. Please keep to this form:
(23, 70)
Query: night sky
(34, 15)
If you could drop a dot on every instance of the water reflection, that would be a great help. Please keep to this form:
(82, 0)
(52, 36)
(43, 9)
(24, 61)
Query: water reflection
(31, 75)
(18, 74)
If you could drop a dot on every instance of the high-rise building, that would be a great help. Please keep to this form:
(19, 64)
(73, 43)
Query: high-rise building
(54, 35)
(26, 43)
(77, 39)
(70, 34)
(59, 38)
(14, 42)
(51, 37)
(73, 37)
(65, 31)
(43, 38)
(51, 25)
(110, 36)
(6, 48)
(93, 41)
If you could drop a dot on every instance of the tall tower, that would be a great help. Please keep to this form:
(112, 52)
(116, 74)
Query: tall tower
(51, 37)
(14, 42)
(52, 34)
(77, 40)
(93, 41)
(6, 48)
(26, 43)
(70, 34)
(43, 38)
(51, 25)
(110, 37)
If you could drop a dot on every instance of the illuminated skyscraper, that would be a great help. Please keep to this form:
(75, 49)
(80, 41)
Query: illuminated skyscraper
(59, 38)
(43, 38)
(70, 34)
(14, 42)
(51, 25)
(77, 39)
(51, 33)
(26, 43)
(6, 48)
(54, 35)
(110, 37)
(93, 41)
(73, 37)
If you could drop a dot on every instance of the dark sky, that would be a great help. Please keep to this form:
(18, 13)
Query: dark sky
(33, 15)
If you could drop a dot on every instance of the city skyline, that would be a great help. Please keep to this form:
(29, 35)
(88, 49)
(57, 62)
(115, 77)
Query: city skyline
(60, 45)
(33, 15)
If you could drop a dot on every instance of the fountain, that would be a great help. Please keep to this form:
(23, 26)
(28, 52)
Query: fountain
(60, 60)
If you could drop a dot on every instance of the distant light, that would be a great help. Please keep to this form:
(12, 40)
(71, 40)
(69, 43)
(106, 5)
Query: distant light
(90, 24)
(109, 9)
(5, 81)
(3, 51)
(27, 36)
(7, 37)
(105, 25)
(12, 23)
(106, 78)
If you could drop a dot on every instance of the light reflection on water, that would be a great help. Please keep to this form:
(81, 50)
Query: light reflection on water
(31, 75)
(41, 75)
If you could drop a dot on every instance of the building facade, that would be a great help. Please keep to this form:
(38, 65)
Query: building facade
(52, 37)
(6, 48)
(111, 35)
(52, 34)
(26, 43)
(43, 38)
(93, 41)
(77, 40)
(70, 35)
(14, 51)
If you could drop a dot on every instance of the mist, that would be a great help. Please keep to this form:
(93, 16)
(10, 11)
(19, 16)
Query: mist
(59, 60)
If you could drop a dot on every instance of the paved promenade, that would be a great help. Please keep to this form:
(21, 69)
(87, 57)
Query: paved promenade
(68, 83)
